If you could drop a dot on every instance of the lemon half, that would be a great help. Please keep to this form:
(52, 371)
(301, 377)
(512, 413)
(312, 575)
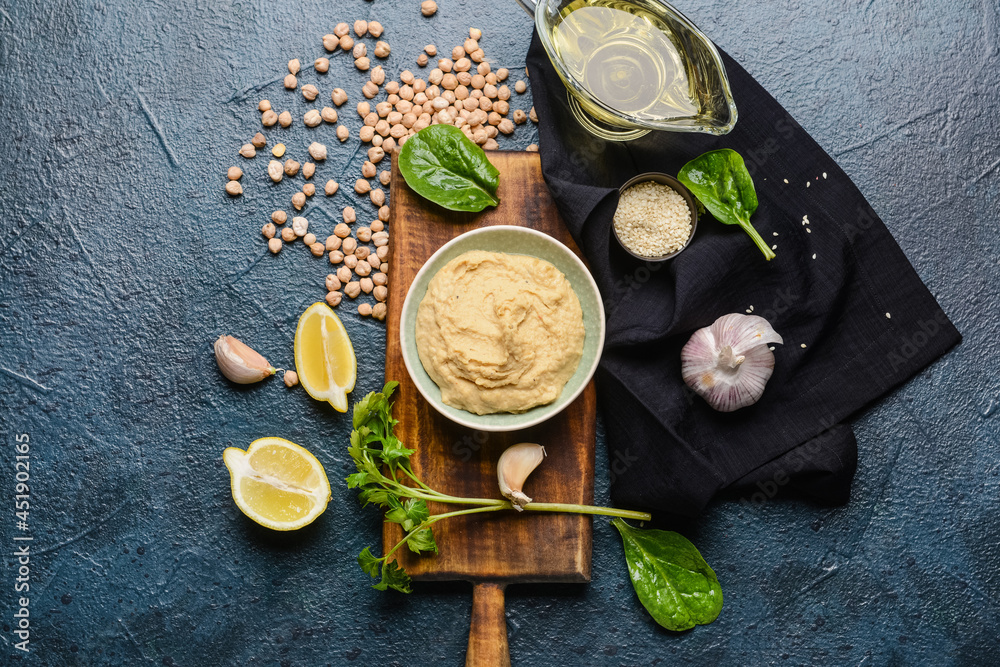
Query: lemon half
(324, 356)
(277, 483)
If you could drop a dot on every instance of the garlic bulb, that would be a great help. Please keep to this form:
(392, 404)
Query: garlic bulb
(239, 362)
(729, 363)
(513, 468)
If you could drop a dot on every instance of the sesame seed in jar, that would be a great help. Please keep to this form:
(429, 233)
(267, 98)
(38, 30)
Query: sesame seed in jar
(652, 219)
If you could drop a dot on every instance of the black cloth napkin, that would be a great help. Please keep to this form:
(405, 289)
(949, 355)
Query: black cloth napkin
(855, 317)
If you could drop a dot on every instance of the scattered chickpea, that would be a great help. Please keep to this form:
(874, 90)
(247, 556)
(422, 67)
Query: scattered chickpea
(352, 289)
(381, 293)
(376, 226)
(368, 170)
(359, 50)
(264, 105)
(385, 177)
(491, 145)
(310, 92)
(382, 49)
(287, 235)
(532, 115)
(377, 196)
(235, 173)
(333, 298)
(379, 311)
(362, 251)
(338, 96)
(268, 230)
(346, 43)
(233, 188)
(384, 268)
(383, 215)
(362, 64)
(300, 226)
(291, 82)
(501, 107)
(369, 90)
(336, 257)
(374, 262)
(380, 239)
(367, 285)
(332, 282)
(298, 201)
(506, 126)
(375, 154)
(377, 75)
(317, 151)
(428, 7)
(349, 246)
(321, 65)
(259, 140)
(312, 118)
(350, 261)
(366, 133)
(341, 29)
(308, 169)
(365, 309)
(362, 187)
(344, 274)
(309, 238)
(333, 242)
(279, 217)
(291, 167)
(343, 133)
(375, 29)
(502, 74)
(274, 245)
(360, 28)
(329, 115)
(362, 268)
(532, 148)
(331, 42)
(285, 119)
(445, 64)
(248, 151)
(309, 189)
(316, 249)
(275, 171)
(278, 150)
(422, 60)
(342, 231)
(380, 279)
(268, 118)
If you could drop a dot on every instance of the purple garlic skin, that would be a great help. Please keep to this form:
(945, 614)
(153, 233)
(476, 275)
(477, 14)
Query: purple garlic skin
(729, 363)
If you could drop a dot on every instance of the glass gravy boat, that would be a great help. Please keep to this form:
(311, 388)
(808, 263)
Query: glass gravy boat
(631, 66)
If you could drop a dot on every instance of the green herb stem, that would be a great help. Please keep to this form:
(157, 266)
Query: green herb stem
(764, 248)
(430, 521)
(587, 509)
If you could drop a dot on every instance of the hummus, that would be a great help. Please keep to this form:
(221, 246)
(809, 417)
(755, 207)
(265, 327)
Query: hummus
(499, 332)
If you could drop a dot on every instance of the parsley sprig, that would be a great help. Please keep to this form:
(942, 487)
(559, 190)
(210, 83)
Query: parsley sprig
(384, 478)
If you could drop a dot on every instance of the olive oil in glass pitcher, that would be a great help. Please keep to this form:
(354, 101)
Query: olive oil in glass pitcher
(634, 66)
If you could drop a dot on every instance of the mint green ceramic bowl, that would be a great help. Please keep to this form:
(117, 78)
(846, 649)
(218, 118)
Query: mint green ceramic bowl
(518, 241)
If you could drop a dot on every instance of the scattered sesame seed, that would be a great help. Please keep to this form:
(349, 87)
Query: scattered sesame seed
(803, 346)
(774, 247)
(814, 255)
(807, 184)
(748, 311)
(808, 231)
(775, 233)
(888, 316)
(786, 180)
(771, 348)
(824, 174)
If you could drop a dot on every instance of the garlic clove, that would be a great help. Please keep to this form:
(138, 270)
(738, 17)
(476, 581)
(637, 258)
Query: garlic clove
(729, 363)
(239, 362)
(513, 468)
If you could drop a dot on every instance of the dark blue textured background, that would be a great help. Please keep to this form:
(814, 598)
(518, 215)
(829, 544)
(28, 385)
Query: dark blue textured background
(121, 260)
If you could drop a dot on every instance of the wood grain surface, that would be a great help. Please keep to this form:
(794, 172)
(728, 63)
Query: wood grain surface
(501, 547)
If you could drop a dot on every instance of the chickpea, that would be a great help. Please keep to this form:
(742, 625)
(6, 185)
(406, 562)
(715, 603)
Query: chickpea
(321, 65)
(520, 116)
(367, 285)
(379, 311)
(332, 283)
(375, 155)
(365, 309)
(248, 151)
(329, 115)
(288, 235)
(258, 141)
(532, 115)
(369, 90)
(376, 226)
(502, 74)
(362, 187)
(264, 105)
(350, 261)
(344, 275)
(380, 279)
(532, 148)
(431, 50)
(362, 269)
(312, 118)
(381, 293)
(343, 133)
(331, 42)
(274, 245)
(346, 43)
(364, 234)
(360, 28)
(338, 96)
(382, 49)
(291, 167)
(333, 242)
(279, 217)
(383, 216)
(291, 82)
(235, 173)
(428, 7)
(331, 187)
(422, 60)
(298, 200)
(375, 29)
(285, 119)
(352, 289)
(316, 249)
(362, 64)
(268, 230)
(377, 75)
(333, 299)
(377, 196)
(310, 92)
(309, 189)
(349, 216)
(268, 118)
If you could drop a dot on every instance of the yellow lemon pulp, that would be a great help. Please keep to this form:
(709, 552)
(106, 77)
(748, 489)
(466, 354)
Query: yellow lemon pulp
(324, 356)
(277, 483)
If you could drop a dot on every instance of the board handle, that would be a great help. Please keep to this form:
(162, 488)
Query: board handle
(488, 630)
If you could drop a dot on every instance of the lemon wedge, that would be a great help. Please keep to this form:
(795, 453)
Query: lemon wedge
(277, 483)
(324, 356)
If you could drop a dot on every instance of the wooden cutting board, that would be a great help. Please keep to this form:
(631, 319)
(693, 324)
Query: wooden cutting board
(495, 549)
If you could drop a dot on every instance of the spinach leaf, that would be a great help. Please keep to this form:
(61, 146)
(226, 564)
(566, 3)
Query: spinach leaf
(720, 181)
(440, 163)
(672, 580)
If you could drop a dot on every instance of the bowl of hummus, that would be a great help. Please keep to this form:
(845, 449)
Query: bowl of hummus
(502, 328)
